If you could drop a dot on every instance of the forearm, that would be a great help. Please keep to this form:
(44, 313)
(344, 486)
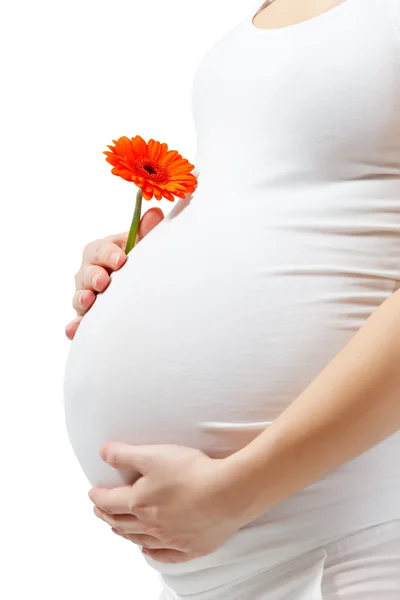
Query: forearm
(351, 406)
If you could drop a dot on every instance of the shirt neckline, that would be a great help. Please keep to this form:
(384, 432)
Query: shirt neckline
(313, 21)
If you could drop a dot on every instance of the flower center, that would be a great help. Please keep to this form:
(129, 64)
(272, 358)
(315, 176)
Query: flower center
(151, 169)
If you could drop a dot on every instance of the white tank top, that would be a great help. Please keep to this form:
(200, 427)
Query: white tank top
(226, 311)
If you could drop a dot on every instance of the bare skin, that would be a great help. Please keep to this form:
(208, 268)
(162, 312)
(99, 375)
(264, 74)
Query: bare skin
(100, 258)
(284, 13)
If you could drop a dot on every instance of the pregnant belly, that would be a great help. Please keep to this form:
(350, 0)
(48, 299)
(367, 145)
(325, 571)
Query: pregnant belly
(200, 340)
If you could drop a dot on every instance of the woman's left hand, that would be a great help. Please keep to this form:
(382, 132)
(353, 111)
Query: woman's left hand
(184, 506)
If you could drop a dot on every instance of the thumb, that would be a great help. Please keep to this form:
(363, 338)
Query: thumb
(150, 219)
(126, 456)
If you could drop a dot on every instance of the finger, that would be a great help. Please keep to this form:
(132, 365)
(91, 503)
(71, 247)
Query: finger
(129, 525)
(150, 219)
(115, 501)
(146, 541)
(94, 278)
(83, 300)
(126, 456)
(168, 556)
(125, 523)
(103, 253)
(72, 327)
(119, 239)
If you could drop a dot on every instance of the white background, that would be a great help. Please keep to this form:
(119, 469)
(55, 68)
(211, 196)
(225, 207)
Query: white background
(75, 75)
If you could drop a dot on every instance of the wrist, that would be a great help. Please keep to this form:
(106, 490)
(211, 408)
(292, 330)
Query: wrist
(243, 486)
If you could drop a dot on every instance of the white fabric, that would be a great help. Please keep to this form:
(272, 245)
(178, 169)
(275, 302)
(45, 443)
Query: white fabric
(363, 566)
(227, 310)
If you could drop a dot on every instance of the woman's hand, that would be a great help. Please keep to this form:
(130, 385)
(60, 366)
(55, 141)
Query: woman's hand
(100, 259)
(185, 504)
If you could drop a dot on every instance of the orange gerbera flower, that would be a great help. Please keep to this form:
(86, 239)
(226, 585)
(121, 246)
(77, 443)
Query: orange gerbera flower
(152, 167)
(155, 170)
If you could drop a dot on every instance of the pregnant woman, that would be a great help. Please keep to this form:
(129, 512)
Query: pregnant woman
(258, 323)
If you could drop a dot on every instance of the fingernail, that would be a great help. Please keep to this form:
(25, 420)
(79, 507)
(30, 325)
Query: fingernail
(81, 297)
(114, 258)
(95, 279)
(104, 451)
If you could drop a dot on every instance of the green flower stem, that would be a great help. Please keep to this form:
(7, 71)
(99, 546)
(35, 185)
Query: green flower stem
(130, 242)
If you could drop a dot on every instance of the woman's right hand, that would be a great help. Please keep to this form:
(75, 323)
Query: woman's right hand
(100, 258)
